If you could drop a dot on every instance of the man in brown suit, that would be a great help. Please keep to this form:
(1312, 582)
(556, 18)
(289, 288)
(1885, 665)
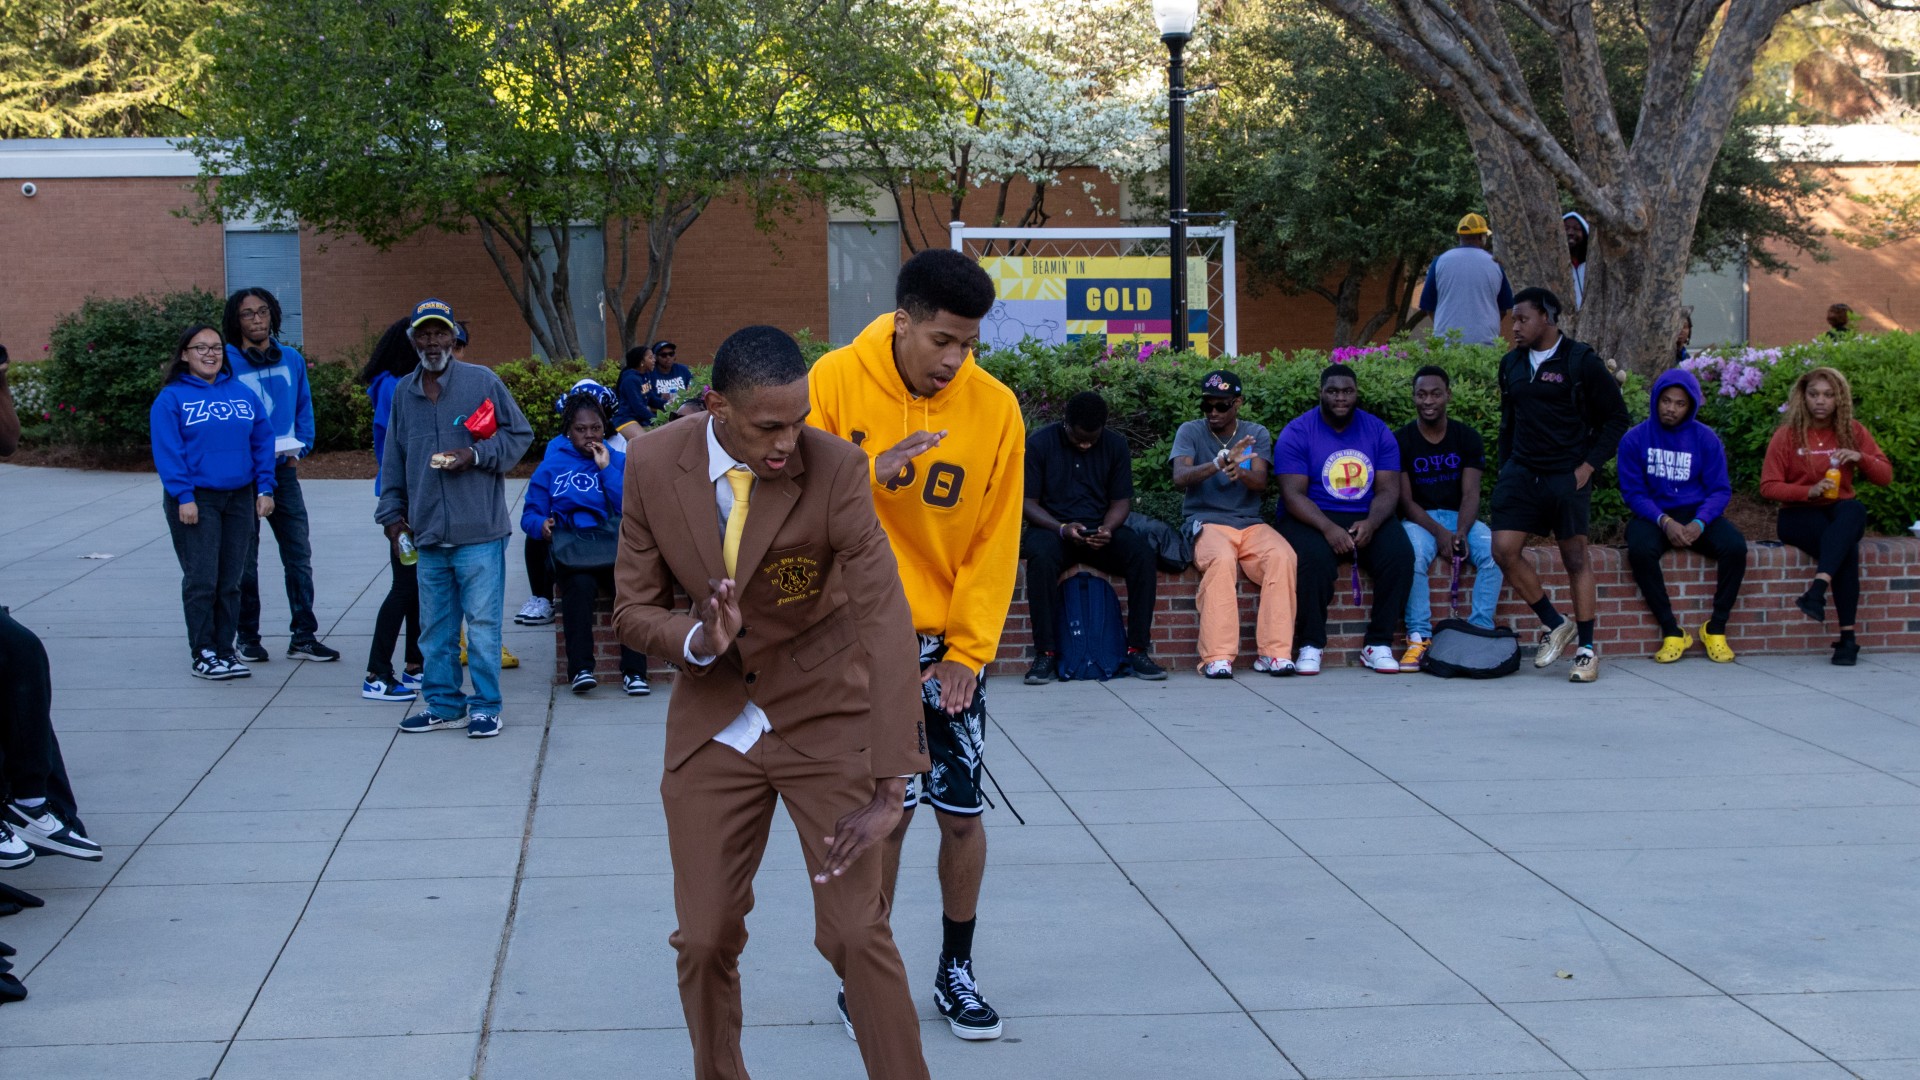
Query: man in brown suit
(802, 685)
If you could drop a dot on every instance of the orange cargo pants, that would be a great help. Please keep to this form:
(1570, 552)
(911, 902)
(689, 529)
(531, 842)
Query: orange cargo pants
(1268, 562)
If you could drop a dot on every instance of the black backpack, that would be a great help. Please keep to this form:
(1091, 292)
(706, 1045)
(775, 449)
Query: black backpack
(1093, 640)
(1461, 650)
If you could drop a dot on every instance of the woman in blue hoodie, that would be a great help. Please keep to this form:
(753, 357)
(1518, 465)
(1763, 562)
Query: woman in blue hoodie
(1673, 476)
(213, 446)
(577, 490)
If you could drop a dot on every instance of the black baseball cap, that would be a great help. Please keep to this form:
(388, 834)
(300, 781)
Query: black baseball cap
(1221, 383)
(664, 344)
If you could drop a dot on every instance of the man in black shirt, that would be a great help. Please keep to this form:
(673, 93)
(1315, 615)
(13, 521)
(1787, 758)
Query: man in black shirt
(1442, 460)
(1079, 490)
(1561, 418)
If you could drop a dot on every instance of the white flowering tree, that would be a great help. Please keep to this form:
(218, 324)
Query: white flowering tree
(1017, 92)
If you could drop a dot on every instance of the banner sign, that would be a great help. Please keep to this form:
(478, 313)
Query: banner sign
(1121, 299)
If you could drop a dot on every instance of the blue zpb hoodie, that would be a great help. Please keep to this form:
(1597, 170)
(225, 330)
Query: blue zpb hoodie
(278, 377)
(1678, 471)
(571, 489)
(210, 435)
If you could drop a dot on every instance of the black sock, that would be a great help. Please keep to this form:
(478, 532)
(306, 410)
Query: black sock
(1543, 607)
(1586, 633)
(1846, 637)
(1717, 624)
(956, 939)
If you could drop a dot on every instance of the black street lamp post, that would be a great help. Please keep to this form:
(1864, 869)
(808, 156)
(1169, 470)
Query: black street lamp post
(1176, 19)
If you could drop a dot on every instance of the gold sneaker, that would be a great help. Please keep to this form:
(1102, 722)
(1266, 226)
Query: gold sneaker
(1557, 639)
(1410, 660)
(1718, 650)
(1673, 648)
(1586, 666)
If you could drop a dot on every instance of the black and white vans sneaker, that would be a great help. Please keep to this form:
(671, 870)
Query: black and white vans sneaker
(584, 681)
(958, 998)
(845, 1020)
(636, 685)
(209, 666)
(43, 830)
(17, 852)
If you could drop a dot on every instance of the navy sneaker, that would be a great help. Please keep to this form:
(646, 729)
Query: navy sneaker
(483, 726)
(636, 685)
(236, 669)
(14, 852)
(958, 998)
(378, 689)
(584, 681)
(426, 721)
(312, 650)
(254, 653)
(43, 831)
(845, 1020)
(411, 679)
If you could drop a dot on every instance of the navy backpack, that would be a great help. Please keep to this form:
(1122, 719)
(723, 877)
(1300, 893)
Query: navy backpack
(1093, 640)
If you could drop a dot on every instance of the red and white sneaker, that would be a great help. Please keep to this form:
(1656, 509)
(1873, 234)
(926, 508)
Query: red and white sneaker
(1380, 658)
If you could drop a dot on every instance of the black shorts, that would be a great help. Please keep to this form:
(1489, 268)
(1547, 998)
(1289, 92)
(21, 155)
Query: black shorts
(955, 745)
(1540, 504)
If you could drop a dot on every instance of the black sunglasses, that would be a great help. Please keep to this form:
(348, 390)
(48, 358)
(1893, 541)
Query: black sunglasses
(1214, 405)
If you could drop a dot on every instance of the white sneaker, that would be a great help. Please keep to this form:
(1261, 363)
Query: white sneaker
(1380, 658)
(14, 852)
(537, 611)
(1218, 669)
(1308, 663)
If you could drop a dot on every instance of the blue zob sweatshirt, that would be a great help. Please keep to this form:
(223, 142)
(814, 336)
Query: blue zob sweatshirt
(1679, 471)
(277, 375)
(210, 435)
(570, 489)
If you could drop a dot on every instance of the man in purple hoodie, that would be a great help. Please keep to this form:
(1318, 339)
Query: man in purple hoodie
(1673, 475)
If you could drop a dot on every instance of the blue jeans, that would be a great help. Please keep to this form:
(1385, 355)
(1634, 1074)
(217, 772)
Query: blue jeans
(465, 581)
(289, 524)
(1486, 573)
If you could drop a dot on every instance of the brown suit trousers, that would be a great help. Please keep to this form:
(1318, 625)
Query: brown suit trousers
(719, 809)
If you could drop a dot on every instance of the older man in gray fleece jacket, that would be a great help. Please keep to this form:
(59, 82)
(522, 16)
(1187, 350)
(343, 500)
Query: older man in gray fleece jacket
(446, 485)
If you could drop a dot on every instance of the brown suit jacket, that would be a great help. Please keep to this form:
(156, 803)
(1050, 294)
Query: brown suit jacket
(826, 646)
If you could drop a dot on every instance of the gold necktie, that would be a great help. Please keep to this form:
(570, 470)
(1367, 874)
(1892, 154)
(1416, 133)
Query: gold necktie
(740, 479)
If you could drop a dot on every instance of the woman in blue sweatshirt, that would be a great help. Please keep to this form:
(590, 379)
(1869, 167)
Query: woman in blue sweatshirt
(1673, 475)
(577, 490)
(213, 446)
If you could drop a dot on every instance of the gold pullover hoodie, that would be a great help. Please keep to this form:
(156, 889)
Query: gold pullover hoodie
(953, 515)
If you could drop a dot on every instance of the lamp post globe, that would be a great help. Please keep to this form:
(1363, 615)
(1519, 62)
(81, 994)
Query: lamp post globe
(1175, 19)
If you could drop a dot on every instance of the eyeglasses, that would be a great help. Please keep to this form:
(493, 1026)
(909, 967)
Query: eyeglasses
(250, 314)
(1214, 405)
(205, 350)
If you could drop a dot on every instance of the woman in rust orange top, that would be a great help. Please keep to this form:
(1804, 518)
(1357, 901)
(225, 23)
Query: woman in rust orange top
(1811, 466)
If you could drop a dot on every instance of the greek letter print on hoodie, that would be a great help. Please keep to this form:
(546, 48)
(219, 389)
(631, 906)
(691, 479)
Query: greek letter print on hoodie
(953, 516)
(210, 435)
(569, 487)
(1679, 471)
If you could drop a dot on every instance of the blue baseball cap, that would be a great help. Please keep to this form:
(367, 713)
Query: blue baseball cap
(429, 310)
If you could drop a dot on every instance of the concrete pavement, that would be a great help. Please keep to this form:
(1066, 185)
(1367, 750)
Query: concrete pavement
(1679, 873)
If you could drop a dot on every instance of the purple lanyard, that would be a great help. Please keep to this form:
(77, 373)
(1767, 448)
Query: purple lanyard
(1453, 591)
(1356, 579)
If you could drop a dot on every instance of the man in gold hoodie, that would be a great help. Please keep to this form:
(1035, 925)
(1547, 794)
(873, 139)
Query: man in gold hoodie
(948, 448)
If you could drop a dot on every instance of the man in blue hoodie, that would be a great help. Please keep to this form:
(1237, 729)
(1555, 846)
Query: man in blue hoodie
(1673, 475)
(277, 375)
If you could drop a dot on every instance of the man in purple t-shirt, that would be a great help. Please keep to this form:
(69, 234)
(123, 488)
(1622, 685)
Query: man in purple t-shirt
(1339, 469)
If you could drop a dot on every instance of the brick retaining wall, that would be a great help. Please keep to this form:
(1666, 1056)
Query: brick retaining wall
(1764, 622)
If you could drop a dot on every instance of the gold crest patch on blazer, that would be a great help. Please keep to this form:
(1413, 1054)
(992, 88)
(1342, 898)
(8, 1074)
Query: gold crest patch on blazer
(794, 576)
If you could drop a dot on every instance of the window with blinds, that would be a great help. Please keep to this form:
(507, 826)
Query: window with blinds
(863, 258)
(268, 259)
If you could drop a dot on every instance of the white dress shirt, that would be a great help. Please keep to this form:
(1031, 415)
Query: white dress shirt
(752, 722)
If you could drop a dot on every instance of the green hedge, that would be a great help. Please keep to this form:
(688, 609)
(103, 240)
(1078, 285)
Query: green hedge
(104, 362)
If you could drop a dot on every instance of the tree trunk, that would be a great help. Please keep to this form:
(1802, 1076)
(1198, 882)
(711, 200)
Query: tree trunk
(1345, 298)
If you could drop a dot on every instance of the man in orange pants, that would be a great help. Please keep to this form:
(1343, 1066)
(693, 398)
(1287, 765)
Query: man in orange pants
(1224, 465)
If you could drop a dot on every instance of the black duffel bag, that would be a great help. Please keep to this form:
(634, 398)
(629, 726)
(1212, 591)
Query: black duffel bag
(1461, 650)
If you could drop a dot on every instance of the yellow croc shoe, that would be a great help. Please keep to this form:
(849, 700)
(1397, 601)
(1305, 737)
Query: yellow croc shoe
(1673, 648)
(507, 659)
(1718, 650)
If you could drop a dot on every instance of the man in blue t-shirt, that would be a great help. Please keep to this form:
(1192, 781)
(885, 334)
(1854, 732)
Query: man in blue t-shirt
(1339, 470)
